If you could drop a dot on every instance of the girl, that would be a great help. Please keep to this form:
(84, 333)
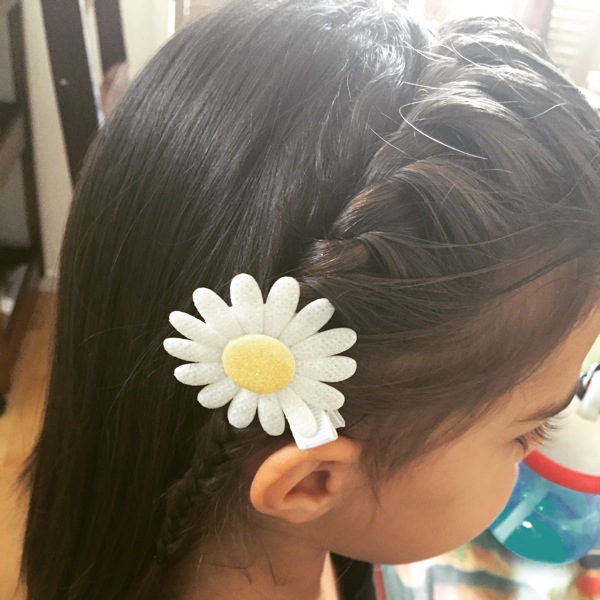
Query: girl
(439, 190)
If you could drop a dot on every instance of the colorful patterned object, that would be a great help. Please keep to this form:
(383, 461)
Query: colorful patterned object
(480, 570)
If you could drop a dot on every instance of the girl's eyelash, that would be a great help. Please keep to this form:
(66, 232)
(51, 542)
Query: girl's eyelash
(539, 435)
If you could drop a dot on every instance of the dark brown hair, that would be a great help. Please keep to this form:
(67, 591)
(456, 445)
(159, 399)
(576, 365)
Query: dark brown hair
(439, 188)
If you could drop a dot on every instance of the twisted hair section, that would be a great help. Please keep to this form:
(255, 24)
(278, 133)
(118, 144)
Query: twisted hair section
(465, 228)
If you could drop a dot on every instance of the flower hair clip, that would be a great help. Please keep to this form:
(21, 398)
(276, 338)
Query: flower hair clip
(263, 357)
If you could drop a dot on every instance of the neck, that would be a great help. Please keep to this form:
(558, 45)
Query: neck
(280, 568)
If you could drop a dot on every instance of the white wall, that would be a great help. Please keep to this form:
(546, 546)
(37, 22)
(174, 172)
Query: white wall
(145, 28)
(52, 172)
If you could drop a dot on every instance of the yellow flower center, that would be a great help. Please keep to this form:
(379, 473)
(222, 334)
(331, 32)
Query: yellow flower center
(259, 363)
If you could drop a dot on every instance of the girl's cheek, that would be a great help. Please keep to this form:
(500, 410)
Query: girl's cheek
(507, 478)
(519, 453)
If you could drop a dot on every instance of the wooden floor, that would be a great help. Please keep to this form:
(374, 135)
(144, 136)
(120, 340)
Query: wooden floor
(18, 430)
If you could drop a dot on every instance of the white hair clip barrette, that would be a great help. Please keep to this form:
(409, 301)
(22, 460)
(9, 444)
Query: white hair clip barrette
(265, 358)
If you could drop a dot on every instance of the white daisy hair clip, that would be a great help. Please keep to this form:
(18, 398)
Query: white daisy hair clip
(263, 357)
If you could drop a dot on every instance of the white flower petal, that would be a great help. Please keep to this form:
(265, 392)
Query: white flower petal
(325, 343)
(270, 414)
(200, 373)
(307, 322)
(196, 330)
(316, 393)
(247, 303)
(192, 351)
(216, 313)
(217, 394)
(298, 414)
(331, 368)
(281, 305)
(242, 410)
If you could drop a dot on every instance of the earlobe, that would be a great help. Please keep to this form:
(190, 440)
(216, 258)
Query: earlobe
(301, 485)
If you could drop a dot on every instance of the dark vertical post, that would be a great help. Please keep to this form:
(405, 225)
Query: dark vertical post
(72, 78)
(110, 33)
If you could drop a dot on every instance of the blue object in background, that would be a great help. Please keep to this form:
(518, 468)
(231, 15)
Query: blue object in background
(547, 522)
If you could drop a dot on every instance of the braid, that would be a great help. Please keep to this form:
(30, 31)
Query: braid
(189, 500)
(184, 499)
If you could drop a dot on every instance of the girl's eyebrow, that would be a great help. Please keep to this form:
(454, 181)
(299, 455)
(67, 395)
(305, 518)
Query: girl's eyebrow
(547, 413)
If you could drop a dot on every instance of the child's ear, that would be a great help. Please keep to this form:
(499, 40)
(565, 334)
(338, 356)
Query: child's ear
(301, 485)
